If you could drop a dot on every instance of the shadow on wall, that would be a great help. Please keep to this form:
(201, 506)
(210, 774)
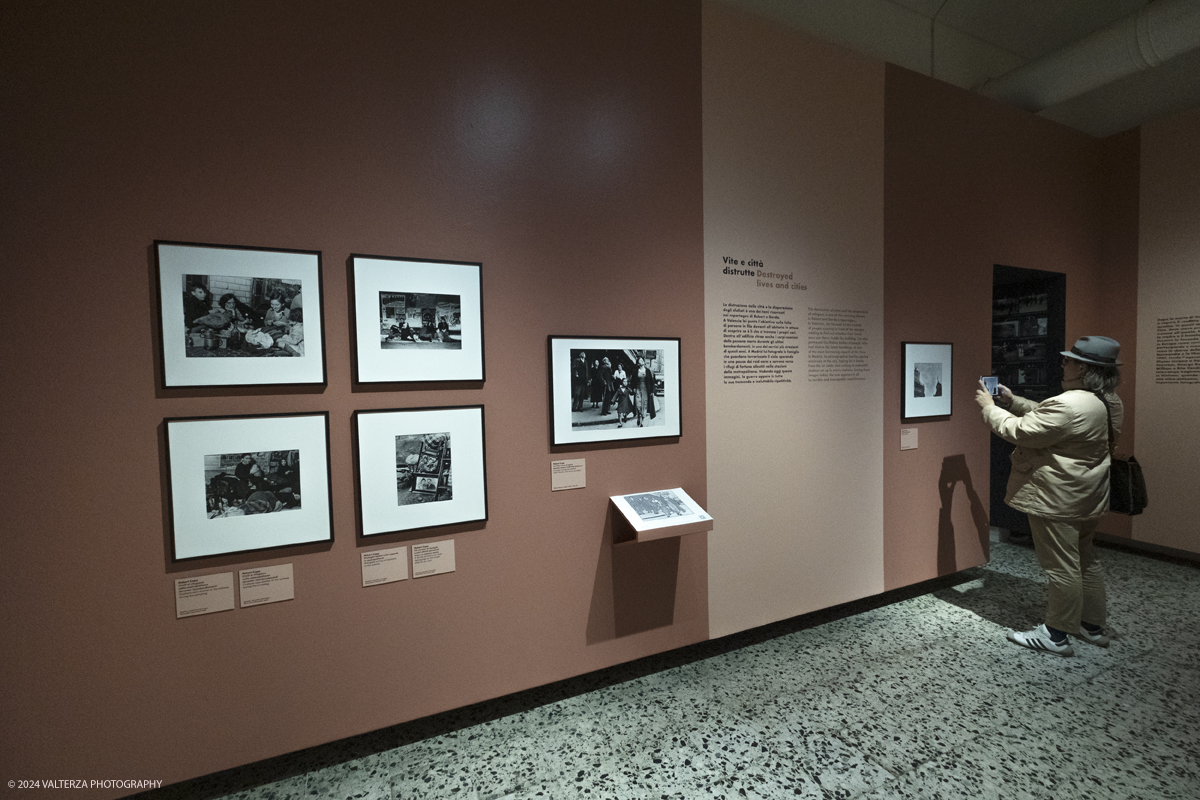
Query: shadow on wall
(634, 589)
(954, 471)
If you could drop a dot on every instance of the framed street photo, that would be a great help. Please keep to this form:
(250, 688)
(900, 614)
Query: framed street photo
(240, 316)
(420, 468)
(417, 320)
(248, 483)
(928, 380)
(608, 389)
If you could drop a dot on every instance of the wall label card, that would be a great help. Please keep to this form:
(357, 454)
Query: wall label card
(266, 585)
(203, 594)
(434, 558)
(384, 566)
(908, 438)
(568, 474)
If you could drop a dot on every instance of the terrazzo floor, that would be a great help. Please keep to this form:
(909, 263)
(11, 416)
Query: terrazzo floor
(919, 698)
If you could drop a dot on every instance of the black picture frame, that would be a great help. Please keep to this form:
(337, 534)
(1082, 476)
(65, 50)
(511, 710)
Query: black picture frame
(269, 331)
(220, 504)
(572, 424)
(417, 320)
(443, 480)
(927, 383)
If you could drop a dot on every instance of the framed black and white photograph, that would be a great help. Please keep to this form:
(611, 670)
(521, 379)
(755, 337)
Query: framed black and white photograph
(613, 389)
(928, 378)
(417, 320)
(420, 468)
(248, 483)
(240, 316)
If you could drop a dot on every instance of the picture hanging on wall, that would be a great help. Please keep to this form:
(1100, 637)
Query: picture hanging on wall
(928, 380)
(417, 320)
(247, 483)
(420, 468)
(240, 316)
(608, 389)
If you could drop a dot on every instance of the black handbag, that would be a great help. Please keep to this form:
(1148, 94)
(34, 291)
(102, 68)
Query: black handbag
(1126, 483)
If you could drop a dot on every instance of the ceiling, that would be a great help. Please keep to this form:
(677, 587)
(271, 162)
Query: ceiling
(1075, 56)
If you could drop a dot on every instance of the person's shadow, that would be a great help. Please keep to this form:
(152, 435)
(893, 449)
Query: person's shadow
(954, 471)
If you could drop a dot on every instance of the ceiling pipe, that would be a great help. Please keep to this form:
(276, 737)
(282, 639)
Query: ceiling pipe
(1157, 32)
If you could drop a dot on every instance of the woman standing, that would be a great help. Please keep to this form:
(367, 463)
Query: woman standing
(606, 385)
(1060, 480)
(597, 384)
(642, 384)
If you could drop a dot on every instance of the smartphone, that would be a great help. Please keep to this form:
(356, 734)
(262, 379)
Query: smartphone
(992, 383)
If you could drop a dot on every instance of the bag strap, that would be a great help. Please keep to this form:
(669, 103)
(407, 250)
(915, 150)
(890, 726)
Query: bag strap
(1111, 444)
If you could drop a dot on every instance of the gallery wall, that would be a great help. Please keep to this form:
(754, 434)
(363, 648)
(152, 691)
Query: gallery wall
(1168, 355)
(970, 183)
(793, 169)
(602, 174)
(558, 144)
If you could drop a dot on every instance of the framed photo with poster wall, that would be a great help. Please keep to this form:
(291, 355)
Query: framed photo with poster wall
(417, 320)
(420, 468)
(928, 380)
(240, 316)
(246, 483)
(609, 389)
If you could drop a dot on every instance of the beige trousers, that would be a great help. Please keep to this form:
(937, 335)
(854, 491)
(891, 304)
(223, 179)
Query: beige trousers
(1064, 549)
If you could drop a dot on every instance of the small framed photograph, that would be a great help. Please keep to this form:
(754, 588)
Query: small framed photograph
(248, 483)
(608, 389)
(417, 320)
(420, 468)
(240, 316)
(928, 380)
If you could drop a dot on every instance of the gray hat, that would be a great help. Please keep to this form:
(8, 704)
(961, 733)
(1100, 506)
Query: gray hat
(1099, 350)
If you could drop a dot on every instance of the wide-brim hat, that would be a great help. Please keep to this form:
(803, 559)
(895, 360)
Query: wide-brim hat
(1099, 350)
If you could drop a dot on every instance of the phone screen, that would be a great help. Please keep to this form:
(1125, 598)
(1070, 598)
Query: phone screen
(992, 383)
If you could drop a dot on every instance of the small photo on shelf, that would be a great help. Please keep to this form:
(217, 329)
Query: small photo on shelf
(1032, 351)
(669, 512)
(1033, 303)
(1004, 307)
(1033, 326)
(1009, 329)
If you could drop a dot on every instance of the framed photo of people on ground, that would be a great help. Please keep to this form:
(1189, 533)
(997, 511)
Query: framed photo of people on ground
(609, 389)
(417, 320)
(420, 468)
(928, 380)
(245, 483)
(239, 316)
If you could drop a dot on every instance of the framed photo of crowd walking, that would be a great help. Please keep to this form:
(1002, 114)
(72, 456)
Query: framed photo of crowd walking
(246, 483)
(609, 389)
(928, 380)
(417, 320)
(239, 316)
(420, 468)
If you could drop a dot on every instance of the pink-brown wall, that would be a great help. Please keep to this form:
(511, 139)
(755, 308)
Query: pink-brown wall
(969, 183)
(556, 143)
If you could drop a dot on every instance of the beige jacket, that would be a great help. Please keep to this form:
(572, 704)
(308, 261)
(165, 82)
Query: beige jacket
(1060, 466)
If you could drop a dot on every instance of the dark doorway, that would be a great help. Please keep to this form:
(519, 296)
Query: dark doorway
(1029, 313)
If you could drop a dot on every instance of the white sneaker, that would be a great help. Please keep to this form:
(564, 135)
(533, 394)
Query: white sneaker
(1039, 639)
(1100, 638)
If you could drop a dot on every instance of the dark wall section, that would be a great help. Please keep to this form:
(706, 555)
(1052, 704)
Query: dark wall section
(970, 183)
(556, 143)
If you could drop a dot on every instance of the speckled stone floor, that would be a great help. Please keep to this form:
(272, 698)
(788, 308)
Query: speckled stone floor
(912, 695)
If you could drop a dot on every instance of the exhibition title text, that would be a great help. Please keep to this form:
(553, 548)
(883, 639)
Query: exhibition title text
(763, 279)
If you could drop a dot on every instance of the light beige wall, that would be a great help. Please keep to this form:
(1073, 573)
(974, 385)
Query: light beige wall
(793, 177)
(1168, 286)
